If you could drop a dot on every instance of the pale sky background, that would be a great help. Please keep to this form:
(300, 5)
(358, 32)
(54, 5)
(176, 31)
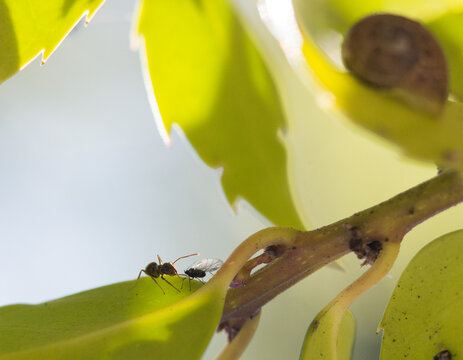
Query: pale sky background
(90, 193)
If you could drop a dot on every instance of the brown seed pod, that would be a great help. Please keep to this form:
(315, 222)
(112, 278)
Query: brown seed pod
(393, 52)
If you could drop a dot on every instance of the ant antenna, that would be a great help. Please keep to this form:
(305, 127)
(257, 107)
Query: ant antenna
(183, 257)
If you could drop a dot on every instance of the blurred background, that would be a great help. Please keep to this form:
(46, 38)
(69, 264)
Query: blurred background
(90, 193)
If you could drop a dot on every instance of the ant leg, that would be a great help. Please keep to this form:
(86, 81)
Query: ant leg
(158, 284)
(184, 276)
(160, 261)
(183, 280)
(163, 278)
(138, 278)
(183, 257)
(141, 271)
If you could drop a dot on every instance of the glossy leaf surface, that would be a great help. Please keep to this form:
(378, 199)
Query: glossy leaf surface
(209, 79)
(127, 320)
(30, 27)
(425, 313)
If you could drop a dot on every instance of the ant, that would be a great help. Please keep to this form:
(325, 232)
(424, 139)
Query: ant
(154, 270)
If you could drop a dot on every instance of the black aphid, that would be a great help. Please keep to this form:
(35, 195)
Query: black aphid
(199, 269)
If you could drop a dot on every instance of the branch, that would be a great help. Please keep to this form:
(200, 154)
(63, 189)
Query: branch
(363, 233)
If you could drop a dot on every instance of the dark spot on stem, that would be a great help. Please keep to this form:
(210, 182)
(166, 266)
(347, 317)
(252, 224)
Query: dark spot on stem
(372, 250)
(232, 327)
(411, 211)
(356, 245)
(276, 250)
(315, 325)
(369, 251)
(354, 231)
(375, 246)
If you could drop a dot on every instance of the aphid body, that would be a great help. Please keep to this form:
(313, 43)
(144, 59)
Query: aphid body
(195, 273)
(199, 269)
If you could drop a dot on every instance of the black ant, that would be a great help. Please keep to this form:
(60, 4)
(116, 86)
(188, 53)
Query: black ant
(154, 270)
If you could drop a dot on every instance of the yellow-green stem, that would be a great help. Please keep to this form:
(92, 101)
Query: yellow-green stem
(309, 251)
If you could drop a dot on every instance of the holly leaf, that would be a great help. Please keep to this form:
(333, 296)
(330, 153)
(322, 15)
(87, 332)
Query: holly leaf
(128, 320)
(28, 28)
(425, 314)
(209, 78)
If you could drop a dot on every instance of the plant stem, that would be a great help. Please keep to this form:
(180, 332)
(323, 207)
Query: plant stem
(236, 347)
(364, 233)
(322, 335)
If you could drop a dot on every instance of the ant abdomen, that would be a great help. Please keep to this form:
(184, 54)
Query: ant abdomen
(152, 269)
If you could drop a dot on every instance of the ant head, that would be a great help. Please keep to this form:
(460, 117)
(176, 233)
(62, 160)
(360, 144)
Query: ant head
(168, 269)
(152, 269)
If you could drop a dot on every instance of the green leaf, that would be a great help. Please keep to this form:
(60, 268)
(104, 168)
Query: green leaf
(425, 313)
(318, 341)
(209, 78)
(449, 32)
(127, 320)
(30, 27)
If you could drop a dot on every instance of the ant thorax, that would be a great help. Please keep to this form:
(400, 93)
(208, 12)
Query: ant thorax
(168, 269)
